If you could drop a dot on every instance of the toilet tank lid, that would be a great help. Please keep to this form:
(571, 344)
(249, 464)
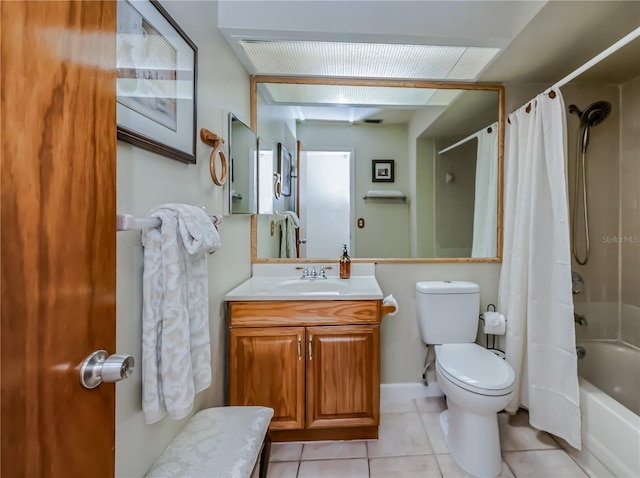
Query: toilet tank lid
(447, 287)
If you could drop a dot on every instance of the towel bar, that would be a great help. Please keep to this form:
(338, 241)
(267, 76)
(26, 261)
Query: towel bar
(125, 222)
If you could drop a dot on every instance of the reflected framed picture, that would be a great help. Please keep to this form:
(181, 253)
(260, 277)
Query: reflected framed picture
(156, 90)
(284, 168)
(382, 170)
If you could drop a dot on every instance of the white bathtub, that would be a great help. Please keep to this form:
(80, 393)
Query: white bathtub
(609, 389)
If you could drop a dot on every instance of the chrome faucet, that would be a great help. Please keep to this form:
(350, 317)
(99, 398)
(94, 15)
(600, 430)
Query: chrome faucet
(309, 272)
(580, 319)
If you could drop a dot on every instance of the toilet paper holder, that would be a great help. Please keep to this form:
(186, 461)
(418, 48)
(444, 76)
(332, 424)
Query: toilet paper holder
(491, 347)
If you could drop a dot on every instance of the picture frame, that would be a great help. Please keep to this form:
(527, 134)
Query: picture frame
(284, 168)
(156, 84)
(382, 170)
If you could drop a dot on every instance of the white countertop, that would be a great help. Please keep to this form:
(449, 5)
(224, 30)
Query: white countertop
(284, 284)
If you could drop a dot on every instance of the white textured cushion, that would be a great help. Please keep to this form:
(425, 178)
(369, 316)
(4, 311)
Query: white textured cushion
(222, 442)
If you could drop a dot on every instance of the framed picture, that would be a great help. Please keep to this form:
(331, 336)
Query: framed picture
(382, 170)
(156, 81)
(284, 168)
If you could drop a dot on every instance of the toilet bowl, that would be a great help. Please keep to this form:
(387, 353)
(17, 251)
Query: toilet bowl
(477, 384)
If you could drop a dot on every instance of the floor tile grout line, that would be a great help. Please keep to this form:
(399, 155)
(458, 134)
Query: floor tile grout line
(586, 475)
(504, 463)
(576, 461)
(424, 427)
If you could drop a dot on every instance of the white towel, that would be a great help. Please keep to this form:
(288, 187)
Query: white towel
(288, 227)
(176, 353)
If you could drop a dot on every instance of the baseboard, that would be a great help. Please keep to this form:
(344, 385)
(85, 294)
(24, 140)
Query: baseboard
(409, 390)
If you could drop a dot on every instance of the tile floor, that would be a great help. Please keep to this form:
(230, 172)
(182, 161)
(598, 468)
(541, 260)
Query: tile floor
(411, 444)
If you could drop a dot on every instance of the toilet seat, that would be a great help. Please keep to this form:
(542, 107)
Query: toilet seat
(475, 369)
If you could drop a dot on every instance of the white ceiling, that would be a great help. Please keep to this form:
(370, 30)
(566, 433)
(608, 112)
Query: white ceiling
(540, 41)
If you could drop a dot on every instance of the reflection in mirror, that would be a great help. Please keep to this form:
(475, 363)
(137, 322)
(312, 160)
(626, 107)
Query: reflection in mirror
(243, 146)
(265, 177)
(325, 203)
(445, 142)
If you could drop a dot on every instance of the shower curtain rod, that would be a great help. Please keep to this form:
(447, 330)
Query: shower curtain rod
(577, 72)
(464, 140)
(596, 59)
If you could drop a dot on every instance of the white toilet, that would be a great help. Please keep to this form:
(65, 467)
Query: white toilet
(476, 382)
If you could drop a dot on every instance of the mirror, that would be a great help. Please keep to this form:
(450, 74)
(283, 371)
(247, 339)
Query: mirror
(266, 166)
(422, 162)
(243, 148)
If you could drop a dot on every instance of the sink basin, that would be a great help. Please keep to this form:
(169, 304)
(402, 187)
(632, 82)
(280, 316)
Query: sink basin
(313, 286)
(290, 288)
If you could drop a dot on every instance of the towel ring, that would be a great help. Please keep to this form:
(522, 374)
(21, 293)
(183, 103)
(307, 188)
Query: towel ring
(277, 185)
(216, 142)
(212, 167)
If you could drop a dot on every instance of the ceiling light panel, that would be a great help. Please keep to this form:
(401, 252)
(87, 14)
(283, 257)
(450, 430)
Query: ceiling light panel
(347, 95)
(443, 97)
(472, 62)
(366, 60)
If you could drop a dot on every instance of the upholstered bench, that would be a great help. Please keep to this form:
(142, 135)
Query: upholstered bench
(224, 442)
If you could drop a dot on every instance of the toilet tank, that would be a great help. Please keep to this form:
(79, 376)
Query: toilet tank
(447, 311)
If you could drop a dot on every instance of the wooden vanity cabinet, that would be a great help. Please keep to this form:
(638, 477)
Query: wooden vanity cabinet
(316, 363)
(343, 376)
(266, 367)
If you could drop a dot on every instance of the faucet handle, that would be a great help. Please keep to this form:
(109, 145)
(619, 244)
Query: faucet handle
(580, 319)
(321, 272)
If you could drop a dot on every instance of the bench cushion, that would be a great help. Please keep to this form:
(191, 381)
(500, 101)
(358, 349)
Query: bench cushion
(222, 442)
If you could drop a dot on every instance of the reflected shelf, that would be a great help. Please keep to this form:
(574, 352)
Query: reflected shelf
(387, 195)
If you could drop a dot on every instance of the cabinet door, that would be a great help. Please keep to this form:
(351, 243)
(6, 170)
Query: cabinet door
(343, 376)
(266, 367)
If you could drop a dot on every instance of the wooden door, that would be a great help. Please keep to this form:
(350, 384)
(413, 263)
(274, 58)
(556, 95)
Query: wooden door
(343, 376)
(58, 128)
(266, 367)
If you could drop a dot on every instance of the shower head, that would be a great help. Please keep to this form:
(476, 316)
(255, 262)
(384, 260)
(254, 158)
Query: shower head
(594, 114)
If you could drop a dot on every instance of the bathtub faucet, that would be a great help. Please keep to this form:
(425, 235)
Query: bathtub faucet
(580, 319)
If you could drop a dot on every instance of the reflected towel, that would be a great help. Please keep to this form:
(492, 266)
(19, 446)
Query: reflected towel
(176, 351)
(288, 226)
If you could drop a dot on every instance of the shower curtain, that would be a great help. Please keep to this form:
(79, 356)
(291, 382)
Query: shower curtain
(485, 210)
(535, 279)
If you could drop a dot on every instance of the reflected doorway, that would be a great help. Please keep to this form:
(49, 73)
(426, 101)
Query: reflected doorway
(325, 203)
